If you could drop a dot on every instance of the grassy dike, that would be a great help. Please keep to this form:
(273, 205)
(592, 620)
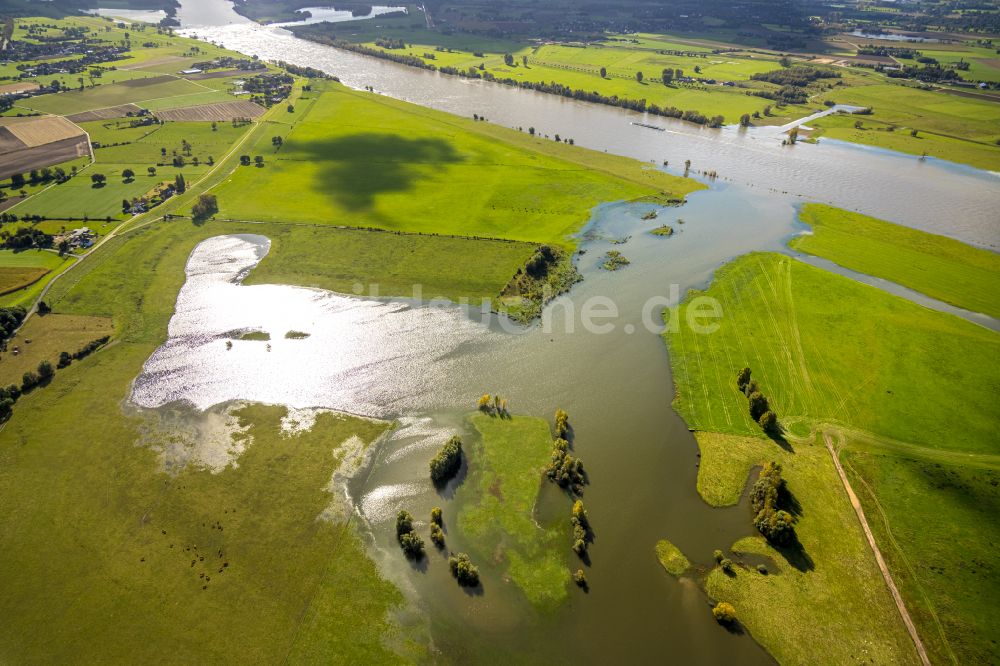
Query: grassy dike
(941, 267)
(891, 380)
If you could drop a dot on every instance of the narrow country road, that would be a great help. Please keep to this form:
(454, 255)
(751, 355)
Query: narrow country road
(890, 583)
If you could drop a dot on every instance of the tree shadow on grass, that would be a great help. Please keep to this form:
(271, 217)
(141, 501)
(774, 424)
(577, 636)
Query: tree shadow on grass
(795, 554)
(356, 169)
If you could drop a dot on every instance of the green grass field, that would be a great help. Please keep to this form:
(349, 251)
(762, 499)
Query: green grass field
(941, 267)
(875, 132)
(505, 477)
(827, 350)
(367, 161)
(827, 597)
(945, 567)
(30, 261)
(389, 264)
(907, 388)
(923, 110)
(114, 94)
(671, 558)
(49, 336)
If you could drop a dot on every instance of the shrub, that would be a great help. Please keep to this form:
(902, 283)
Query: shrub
(45, 371)
(404, 523)
(718, 556)
(446, 463)
(484, 402)
(436, 516)
(758, 405)
(761, 569)
(727, 565)
(580, 578)
(206, 206)
(464, 571)
(437, 535)
(412, 545)
(724, 613)
(743, 379)
(562, 423)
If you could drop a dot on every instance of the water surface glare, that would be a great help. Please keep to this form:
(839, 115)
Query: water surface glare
(377, 358)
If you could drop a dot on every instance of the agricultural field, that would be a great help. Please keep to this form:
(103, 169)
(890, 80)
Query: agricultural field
(26, 272)
(140, 92)
(34, 143)
(49, 336)
(941, 267)
(366, 161)
(221, 112)
(508, 463)
(841, 357)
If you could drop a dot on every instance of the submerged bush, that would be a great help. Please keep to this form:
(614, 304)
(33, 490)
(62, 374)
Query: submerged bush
(409, 541)
(580, 578)
(447, 462)
(464, 571)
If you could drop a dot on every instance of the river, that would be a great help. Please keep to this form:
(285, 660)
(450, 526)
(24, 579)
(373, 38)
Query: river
(616, 385)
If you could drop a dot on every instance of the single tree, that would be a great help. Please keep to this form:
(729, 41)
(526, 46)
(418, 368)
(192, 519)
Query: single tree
(98, 179)
(668, 76)
(638, 77)
(128, 175)
(604, 73)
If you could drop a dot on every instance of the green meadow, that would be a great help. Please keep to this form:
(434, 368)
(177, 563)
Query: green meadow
(946, 585)
(828, 350)
(823, 596)
(837, 356)
(505, 477)
(941, 267)
(926, 111)
(875, 131)
(24, 262)
(362, 160)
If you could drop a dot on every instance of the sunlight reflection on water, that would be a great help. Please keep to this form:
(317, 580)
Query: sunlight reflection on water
(362, 356)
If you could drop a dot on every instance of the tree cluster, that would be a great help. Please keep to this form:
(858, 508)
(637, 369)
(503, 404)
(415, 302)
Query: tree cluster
(206, 206)
(582, 535)
(464, 571)
(493, 405)
(771, 521)
(760, 409)
(565, 469)
(446, 463)
(409, 541)
(25, 238)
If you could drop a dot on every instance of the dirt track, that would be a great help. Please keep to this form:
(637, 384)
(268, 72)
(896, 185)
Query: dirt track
(890, 583)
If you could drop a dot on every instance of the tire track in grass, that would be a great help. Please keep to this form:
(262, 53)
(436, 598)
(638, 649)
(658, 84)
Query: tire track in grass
(737, 301)
(797, 384)
(779, 351)
(797, 337)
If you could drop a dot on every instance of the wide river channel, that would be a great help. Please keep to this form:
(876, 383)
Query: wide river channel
(425, 364)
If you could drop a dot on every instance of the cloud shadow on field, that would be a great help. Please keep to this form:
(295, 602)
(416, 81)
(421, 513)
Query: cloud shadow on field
(356, 169)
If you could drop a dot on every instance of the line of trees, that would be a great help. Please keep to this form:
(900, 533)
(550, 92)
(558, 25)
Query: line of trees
(760, 409)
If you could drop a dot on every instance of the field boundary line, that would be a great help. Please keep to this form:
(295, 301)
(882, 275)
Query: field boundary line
(886, 575)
